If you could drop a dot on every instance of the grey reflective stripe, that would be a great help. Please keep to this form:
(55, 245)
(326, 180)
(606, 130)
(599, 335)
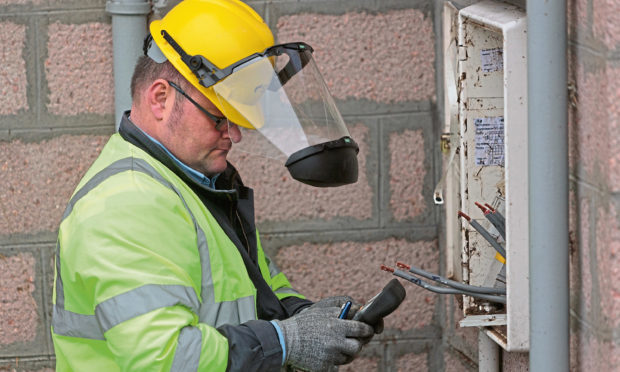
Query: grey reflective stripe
(228, 312)
(214, 313)
(187, 354)
(67, 323)
(120, 308)
(60, 293)
(142, 300)
(287, 290)
(112, 169)
(273, 269)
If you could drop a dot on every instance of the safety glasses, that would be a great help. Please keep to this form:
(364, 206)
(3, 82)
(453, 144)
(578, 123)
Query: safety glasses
(221, 122)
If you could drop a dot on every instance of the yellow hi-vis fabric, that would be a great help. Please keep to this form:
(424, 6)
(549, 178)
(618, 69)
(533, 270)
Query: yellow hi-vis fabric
(144, 272)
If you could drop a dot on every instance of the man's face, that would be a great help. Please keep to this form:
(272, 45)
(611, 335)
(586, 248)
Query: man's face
(193, 138)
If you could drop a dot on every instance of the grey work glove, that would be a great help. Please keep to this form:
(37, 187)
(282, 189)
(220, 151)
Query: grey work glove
(341, 300)
(335, 301)
(378, 328)
(316, 339)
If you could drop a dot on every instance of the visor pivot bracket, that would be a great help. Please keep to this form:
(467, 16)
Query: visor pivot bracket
(195, 62)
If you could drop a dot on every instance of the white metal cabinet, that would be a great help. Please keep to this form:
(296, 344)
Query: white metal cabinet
(490, 60)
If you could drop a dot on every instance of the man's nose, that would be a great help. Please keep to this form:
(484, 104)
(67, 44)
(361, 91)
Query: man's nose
(233, 132)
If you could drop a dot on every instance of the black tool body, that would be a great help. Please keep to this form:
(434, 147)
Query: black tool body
(383, 304)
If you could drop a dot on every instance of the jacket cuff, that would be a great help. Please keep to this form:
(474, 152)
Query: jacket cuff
(295, 304)
(269, 339)
(252, 346)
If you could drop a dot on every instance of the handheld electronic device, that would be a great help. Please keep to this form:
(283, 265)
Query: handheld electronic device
(383, 304)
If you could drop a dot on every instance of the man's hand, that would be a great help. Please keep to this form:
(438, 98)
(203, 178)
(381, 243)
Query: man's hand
(335, 301)
(338, 301)
(316, 339)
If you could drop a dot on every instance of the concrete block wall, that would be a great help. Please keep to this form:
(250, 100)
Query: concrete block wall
(594, 143)
(56, 113)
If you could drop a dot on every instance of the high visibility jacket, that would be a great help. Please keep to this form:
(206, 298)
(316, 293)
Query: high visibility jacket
(147, 279)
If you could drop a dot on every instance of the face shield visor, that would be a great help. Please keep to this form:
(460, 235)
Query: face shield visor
(292, 117)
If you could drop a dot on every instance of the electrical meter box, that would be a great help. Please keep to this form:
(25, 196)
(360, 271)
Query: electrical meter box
(485, 142)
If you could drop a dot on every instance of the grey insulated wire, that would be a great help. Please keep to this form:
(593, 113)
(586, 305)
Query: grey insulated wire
(499, 216)
(501, 228)
(498, 222)
(451, 283)
(485, 234)
(442, 290)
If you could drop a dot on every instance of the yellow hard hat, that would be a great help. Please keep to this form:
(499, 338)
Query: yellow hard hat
(202, 38)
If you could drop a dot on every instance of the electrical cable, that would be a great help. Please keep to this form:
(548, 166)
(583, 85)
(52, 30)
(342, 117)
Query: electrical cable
(500, 217)
(485, 234)
(451, 283)
(489, 213)
(493, 218)
(441, 290)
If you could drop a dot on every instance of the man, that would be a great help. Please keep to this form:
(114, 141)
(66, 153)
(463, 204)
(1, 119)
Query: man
(159, 265)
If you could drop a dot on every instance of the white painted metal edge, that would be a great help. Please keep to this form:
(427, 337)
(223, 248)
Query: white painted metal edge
(483, 320)
(512, 23)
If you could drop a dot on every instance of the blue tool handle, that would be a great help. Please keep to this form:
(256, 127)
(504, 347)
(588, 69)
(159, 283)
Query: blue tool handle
(344, 310)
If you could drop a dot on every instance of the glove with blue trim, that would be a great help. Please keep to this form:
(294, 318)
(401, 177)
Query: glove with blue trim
(316, 339)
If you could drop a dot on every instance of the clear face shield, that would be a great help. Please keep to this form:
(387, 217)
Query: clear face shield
(284, 111)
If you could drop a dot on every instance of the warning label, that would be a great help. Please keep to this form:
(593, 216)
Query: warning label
(489, 141)
(492, 59)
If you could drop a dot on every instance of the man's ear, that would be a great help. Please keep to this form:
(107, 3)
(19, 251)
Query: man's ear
(160, 99)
